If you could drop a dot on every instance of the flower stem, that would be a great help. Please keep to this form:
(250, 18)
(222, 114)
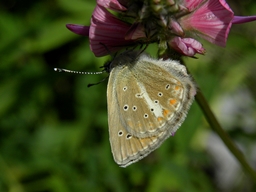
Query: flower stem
(223, 135)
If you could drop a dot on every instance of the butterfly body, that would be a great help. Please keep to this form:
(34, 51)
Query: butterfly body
(148, 100)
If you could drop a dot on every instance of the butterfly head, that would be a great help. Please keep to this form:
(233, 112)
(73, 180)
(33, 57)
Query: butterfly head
(127, 58)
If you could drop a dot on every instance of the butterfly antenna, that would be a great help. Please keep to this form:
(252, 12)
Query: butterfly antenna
(83, 73)
(78, 72)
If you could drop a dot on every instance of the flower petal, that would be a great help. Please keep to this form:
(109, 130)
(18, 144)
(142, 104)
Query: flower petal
(211, 21)
(187, 46)
(79, 29)
(107, 33)
(136, 31)
(243, 19)
(191, 5)
(111, 4)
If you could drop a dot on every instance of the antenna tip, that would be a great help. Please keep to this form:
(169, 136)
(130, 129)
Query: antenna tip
(57, 69)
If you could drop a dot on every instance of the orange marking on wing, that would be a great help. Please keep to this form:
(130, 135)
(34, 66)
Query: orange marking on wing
(173, 101)
(160, 119)
(177, 87)
(166, 112)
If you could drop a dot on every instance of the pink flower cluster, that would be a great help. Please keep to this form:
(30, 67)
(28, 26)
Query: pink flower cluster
(176, 25)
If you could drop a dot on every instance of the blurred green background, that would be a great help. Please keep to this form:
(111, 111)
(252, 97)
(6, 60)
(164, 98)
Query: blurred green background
(54, 130)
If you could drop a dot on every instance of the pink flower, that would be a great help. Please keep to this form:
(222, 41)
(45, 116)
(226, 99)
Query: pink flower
(176, 24)
(243, 19)
(211, 21)
(187, 46)
(111, 4)
(107, 32)
(79, 29)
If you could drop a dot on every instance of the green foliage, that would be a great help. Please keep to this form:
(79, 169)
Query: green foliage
(54, 131)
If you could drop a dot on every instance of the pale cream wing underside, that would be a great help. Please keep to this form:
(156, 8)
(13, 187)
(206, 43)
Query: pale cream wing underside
(150, 99)
(132, 137)
(127, 149)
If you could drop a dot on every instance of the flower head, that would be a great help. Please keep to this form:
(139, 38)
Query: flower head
(172, 24)
(210, 20)
(187, 46)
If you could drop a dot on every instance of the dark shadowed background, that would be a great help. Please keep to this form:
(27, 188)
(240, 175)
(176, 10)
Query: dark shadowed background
(54, 130)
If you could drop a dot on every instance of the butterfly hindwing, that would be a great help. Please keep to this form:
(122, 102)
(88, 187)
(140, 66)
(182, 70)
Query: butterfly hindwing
(148, 100)
(151, 98)
(125, 147)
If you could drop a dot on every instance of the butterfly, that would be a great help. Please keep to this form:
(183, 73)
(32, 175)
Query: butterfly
(148, 100)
